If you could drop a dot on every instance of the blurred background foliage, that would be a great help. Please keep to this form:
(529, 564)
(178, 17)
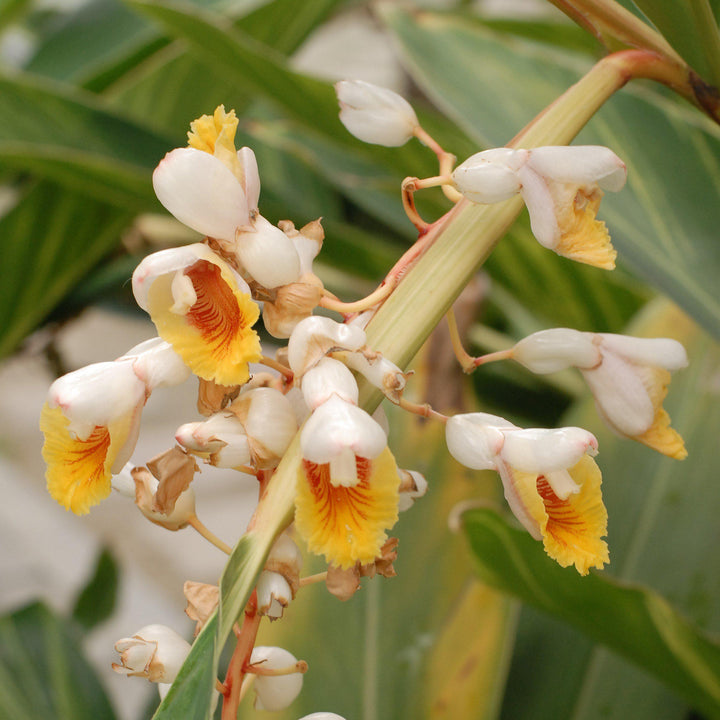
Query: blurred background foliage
(92, 97)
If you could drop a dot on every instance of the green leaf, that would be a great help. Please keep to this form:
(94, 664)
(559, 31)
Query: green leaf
(51, 239)
(68, 136)
(662, 224)
(43, 672)
(632, 620)
(691, 28)
(255, 67)
(96, 602)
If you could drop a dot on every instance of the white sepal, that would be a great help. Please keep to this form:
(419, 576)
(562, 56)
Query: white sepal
(155, 652)
(548, 351)
(580, 165)
(157, 364)
(375, 114)
(660, 352)
(273, 594)
(329, 377)
(315, 336)
(96, 395)
(543, 450)
(473, 441)
(275, 692)
(201, 192)
(490, 176)
(621, 395)
(268, 254)
(337, 426)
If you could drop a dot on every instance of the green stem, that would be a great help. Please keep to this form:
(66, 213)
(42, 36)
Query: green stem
(708, 36)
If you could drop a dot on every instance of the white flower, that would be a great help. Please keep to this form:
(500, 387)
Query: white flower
(315, 336)
(561, 186)
(275, 692)
(551, 483)
(155, 652)
(375, 114)
(628, 378)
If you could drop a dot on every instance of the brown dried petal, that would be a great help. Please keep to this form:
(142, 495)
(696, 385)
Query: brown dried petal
(212, 398)
(202, 601)
(383, 564)
(175, 469)
(293, 303)
(343, 584)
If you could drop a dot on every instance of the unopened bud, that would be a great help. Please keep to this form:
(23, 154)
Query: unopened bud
(273, 594)
(375, 114)
(275, 692)
(155, 652)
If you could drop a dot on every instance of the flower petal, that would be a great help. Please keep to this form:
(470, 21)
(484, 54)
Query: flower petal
(580, 165)
(347, 524)
(201, 192)
(571, 529)
(548, 351)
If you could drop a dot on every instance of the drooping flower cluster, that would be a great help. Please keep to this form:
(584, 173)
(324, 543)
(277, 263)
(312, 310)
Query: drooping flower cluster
(204, 300)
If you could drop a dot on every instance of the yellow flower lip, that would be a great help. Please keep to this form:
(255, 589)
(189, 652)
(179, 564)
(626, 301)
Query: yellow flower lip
(347, 524)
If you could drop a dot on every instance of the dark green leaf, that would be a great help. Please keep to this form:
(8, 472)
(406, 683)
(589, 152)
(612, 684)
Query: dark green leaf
(96, 601)
(43, 673)
(50, 240)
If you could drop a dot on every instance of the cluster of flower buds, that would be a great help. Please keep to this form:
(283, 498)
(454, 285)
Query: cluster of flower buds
(204, 300)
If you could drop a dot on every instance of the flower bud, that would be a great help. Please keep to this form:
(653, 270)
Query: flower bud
(275, 692)
(379, 371)
(322, 716)
(413, 485)
(490, 176)
(273, 594)
(155, 652)
(375, 114)
(222, 437)
(315, 336)
(548, 351)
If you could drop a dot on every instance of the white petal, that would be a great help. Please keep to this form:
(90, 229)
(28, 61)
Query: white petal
(270, 420)
(275, 693)
(620, 395)
(658, 352)
(157, 364)
(337, 425)
(268, 255)
(507, 475)
(540, 450)
(343, 469)
(252, 177)
(167, 261)
(472, 442)
(490, 176)
(123, 482)
(548, 351)
(329, 377)
(562, 484)
(580, 165)
(315, 336)
(201, 192)
(96, 395)
(541, 208)
(375, 114)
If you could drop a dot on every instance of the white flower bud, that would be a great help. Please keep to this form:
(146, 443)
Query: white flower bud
(315, 336)
(329, 377)
(490, 176)
(222, 436)
(375, 114)
(273, 594)
(201, 192)
(275, 692)
(379, 371)
(548, 351)
(268, 254)
(322, 716)
(155, 652)
(416, 488)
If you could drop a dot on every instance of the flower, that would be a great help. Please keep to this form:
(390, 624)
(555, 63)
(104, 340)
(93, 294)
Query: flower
(274, 692)
(155, 652)
(92, 417)
(214, 190)
(203, 308)
(628, 378)
(375, 114)
(348, 484)
(562, 188)
(550, 481)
